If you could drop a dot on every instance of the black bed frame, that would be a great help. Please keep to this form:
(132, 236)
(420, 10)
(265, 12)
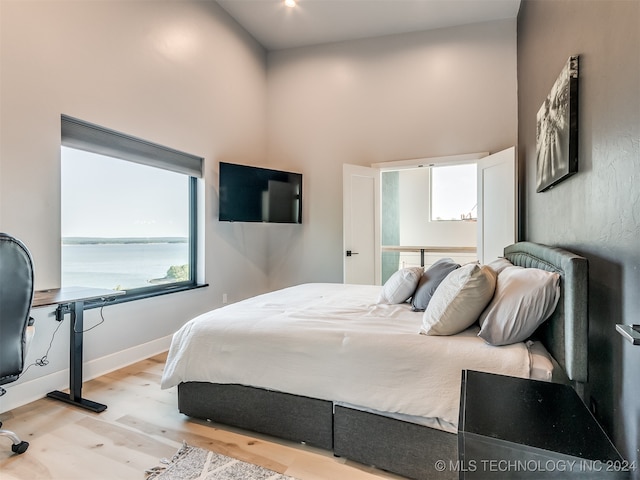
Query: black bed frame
(400, 447)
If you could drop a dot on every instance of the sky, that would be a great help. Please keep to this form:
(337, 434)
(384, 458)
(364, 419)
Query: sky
(454, 191)
(107, 197)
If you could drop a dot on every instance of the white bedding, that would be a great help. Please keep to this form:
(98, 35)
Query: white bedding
(333, 342)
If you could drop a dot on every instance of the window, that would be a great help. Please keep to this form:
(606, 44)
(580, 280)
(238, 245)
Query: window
(454, 192)
(128, 212)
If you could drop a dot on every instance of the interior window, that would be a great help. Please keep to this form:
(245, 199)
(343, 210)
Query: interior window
(454, 193)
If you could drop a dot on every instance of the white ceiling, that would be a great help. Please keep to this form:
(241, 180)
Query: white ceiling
(313, 22)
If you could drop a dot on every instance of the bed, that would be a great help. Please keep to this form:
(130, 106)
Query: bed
(328, 365)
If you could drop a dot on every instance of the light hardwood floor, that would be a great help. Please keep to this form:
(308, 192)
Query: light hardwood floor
(140, 426)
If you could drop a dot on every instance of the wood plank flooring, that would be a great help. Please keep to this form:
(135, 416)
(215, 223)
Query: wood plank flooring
(140, 426)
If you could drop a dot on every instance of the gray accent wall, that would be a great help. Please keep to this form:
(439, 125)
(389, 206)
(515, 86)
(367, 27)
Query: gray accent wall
(595, 213)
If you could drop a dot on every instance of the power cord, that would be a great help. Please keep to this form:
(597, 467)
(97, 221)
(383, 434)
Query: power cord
(104, 302)
(44, 360)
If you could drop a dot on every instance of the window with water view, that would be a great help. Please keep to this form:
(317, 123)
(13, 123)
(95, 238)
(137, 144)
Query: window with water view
(125, 225)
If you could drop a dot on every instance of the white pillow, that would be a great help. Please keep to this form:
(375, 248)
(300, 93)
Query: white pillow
(524, 298)
(459, 300)
(499, 264)
(401, 285)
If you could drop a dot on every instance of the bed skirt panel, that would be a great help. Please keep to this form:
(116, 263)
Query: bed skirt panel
(291, 417)
(408, 449)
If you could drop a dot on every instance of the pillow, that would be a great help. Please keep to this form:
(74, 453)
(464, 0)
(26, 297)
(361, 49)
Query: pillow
(459, 300)
(400, 285)
(499, 264)
(429, 281)
(541, 362)
(524, 298)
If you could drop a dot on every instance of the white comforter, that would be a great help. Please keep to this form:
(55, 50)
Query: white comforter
(333, 342)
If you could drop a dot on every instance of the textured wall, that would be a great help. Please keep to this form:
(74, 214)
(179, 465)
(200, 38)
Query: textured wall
(596, 212)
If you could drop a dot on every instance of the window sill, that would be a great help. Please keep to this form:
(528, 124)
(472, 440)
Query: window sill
(143, 294)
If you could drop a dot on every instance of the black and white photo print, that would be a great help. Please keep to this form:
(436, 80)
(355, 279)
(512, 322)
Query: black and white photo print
(557, 130)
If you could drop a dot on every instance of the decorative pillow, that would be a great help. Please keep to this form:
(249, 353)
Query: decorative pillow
(499, 264)
(401, 285)
(524, 298)
(459, 300)
(429, 282)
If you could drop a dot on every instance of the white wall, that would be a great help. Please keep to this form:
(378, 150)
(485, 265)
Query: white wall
(183, 74)
(414, 206)
(179, 73)
(428, 94)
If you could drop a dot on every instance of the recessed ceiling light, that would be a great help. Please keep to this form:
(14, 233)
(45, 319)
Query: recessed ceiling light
(290, 3)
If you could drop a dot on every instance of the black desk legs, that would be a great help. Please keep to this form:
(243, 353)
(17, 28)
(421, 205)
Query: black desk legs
(76, 351)
(76, 327)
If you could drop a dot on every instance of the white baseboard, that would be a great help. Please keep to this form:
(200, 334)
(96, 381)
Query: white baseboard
(27, 392)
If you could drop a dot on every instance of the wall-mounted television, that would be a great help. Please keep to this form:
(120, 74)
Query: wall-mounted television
(253, 194)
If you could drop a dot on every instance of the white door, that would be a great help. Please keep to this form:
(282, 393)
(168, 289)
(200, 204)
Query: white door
(497, 196)
(361, 225)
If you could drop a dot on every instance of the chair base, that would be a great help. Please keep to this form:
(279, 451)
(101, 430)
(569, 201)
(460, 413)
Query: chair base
(19, 446)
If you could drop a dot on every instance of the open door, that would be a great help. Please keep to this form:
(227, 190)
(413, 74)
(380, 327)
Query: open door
(497, 212)
(361, 224)
(497, 194)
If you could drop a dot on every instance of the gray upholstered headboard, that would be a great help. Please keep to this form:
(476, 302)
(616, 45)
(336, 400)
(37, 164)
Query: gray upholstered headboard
(565, 334)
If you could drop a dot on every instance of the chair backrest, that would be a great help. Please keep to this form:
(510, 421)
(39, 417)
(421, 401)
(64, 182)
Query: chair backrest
(16, 296)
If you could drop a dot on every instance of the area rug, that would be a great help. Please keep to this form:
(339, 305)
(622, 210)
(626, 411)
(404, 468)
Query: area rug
(191, 463)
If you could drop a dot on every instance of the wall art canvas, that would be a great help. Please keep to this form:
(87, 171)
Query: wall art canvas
(557, 130)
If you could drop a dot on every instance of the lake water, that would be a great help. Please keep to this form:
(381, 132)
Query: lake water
(115, 265)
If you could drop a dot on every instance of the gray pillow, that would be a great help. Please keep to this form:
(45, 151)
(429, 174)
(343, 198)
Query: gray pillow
(429, 281)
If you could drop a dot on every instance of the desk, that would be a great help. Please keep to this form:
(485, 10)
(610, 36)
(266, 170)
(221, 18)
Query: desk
(71, 300)
(425, 249)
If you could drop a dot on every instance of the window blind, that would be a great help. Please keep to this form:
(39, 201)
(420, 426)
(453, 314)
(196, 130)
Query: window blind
(96, 139)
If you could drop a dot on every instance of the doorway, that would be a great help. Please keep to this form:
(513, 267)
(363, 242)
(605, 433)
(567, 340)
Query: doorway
(427, 213)
(402, 227)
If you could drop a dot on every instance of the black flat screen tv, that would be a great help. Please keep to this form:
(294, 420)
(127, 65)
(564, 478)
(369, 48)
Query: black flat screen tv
(253, 194)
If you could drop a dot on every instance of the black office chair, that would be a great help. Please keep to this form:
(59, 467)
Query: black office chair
(16, 295)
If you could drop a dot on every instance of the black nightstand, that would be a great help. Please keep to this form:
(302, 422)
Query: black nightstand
(515, 428)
